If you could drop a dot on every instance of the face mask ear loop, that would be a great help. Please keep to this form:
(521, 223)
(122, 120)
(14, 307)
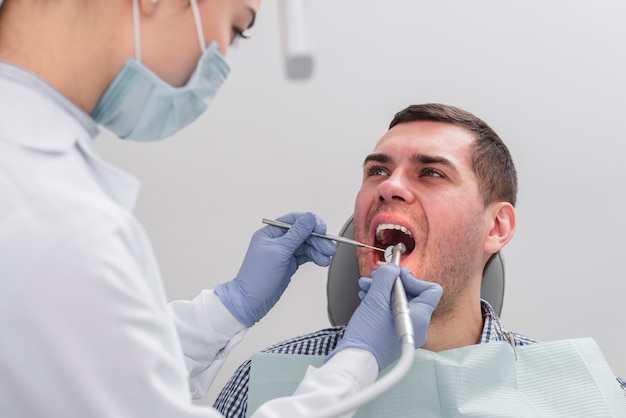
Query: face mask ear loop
(137, 30)
(196, 16)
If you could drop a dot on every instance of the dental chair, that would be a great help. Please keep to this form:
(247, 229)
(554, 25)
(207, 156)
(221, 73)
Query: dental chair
(342, 287)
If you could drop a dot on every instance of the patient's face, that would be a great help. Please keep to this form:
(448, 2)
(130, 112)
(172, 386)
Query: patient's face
(419, 188)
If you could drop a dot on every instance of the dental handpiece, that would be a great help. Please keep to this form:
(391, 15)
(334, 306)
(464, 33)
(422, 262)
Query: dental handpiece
(399, 302)
(404, 326)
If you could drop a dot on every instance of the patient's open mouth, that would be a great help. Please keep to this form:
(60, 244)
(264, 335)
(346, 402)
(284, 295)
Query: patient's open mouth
(392, 234)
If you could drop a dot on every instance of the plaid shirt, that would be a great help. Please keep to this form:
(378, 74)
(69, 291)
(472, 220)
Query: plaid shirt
(232, 401)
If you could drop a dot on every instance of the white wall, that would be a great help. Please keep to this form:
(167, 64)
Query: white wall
(550, 78)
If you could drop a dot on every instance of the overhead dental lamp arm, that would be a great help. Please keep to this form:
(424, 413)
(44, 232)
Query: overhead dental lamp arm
(296, 45)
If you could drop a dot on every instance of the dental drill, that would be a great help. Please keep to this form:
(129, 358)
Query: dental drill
(404, 326)
(399, 302)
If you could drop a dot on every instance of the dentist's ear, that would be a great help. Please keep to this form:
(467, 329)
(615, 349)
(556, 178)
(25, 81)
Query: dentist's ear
(502, 226)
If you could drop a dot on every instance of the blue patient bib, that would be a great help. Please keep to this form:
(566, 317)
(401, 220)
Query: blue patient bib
(568, 378)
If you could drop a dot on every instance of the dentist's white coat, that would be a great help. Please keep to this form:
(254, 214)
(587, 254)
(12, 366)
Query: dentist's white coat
(86, 330)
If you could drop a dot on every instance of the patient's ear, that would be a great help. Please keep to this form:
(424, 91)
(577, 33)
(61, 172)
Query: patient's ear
(502, 226)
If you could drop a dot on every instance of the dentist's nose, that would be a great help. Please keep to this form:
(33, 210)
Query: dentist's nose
(396, 187)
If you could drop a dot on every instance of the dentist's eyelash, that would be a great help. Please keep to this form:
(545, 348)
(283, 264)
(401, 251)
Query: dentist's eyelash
(239, 34)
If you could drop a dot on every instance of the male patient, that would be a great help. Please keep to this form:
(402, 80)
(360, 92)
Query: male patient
(442, 182)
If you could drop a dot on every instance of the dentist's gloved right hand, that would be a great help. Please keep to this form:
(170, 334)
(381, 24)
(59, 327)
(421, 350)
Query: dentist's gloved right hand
(273, 256)
(372, 326)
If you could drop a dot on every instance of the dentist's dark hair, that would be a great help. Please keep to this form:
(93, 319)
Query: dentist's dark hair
(491, 160)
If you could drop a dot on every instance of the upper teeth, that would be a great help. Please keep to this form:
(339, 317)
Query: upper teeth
(383, 227)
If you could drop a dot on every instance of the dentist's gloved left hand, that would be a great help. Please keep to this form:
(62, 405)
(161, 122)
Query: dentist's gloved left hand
(272, 258)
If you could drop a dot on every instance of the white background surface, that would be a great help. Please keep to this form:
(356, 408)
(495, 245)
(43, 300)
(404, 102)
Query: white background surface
(549, 77)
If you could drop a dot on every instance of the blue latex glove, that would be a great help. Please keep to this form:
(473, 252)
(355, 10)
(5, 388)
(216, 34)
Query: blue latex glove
(372, 326)
(272, 258)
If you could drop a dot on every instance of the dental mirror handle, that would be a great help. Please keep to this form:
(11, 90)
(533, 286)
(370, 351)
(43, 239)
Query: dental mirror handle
(326, 236)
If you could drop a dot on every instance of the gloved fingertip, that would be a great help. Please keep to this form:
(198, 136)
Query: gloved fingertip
(321, 260)
(320, 225)
(311, 218)
(434, 294)
(290, 217)
(388, 271)
(365, 283)
(412, 284)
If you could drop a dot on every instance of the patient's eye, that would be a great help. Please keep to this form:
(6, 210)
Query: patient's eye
(431, 172)
(377, 171)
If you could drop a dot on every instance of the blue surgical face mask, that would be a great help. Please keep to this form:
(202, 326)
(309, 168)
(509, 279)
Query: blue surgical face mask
(140, 106)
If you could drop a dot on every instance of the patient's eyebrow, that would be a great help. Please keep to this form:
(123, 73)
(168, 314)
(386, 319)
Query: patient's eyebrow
(379, 158)
(415, 159)
(432, 159)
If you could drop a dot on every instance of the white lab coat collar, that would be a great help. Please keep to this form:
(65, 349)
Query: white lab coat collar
(51, 123)
(33, 129)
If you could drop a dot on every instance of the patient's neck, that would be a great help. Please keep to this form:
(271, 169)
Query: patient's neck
(458, 327)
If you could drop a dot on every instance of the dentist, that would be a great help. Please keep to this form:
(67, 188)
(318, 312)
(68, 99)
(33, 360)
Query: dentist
(86, 327)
